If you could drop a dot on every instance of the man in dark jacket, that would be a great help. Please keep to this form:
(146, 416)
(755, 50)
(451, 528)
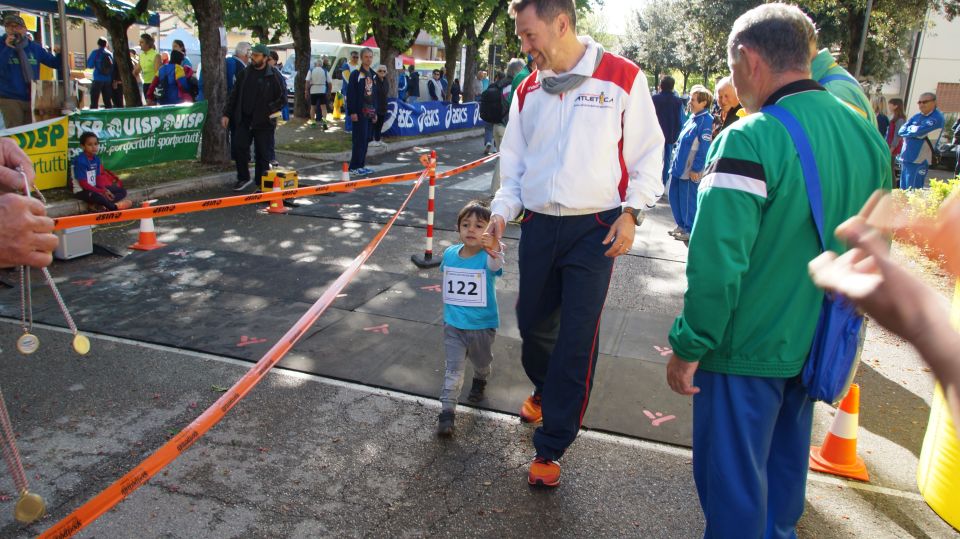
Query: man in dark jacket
(252, 110)
(362, 92)
(669, 108)
(16, 75)
(413, 85)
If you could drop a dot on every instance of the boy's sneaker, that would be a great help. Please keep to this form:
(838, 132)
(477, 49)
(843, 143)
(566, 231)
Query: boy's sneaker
(240, 185)
(544, 473)
(445, 423)
(487, 148)
(683, 236)
(476, 390)
(531, 412)
(675, 231)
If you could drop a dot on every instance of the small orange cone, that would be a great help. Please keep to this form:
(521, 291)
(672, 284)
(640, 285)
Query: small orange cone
(148, 235)
(345, 177)
(838, 455)
(276, 206)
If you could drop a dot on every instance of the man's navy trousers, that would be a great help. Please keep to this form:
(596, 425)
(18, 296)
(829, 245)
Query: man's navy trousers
(564, 278)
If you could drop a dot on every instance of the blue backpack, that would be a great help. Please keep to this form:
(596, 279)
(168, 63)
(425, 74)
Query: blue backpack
(835, 351)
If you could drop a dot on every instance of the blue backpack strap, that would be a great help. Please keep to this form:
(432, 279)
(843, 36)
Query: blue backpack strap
(811, 175)
(837, 77)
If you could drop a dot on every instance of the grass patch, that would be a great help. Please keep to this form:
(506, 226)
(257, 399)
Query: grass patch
(149, 176)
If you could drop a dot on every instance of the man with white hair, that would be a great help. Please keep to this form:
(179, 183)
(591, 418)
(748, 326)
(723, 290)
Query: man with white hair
(750, 309)
(237, 62)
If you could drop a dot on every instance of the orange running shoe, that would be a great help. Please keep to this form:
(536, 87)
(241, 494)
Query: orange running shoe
(544, 473)
(531, 412)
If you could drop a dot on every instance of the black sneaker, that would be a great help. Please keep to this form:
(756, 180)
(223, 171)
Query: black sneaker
(242, 184)
(476, 390)
(445, 424)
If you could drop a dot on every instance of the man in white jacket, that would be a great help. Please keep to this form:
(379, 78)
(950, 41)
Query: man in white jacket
(582, 157)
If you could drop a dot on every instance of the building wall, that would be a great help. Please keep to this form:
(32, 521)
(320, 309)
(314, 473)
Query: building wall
(938, 60)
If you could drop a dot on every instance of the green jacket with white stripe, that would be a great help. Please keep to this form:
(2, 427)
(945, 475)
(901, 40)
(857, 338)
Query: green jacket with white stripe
(750, 308)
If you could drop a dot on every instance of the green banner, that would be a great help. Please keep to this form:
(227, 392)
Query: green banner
(139, 136)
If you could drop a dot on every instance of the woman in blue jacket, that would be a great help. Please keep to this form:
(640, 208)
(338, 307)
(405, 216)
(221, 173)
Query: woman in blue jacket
(689, 158)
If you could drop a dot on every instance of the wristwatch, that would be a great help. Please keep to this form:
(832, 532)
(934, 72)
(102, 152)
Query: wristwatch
(633, 212)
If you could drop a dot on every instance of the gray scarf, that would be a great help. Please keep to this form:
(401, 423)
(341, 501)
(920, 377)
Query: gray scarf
(24, 63)
(568, 81)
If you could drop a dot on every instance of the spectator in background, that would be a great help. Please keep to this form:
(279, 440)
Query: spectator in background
(137, 72)
(20, 59)
(435, 87)
(382, 87)
(402, 85)
(362, 94)
(508, 85)
(413, 85)
(920, 135)
(956, 142)
(102, 63)
(484, 80)
(318, 88)
(729, 106)
(149, 63)
(894, 142)
(445, 84)
(455, 91)
(252, 109)
(689, 160)
(879, 105)
(237, 63)
(669, 109)
(179, 46)
(172, 83)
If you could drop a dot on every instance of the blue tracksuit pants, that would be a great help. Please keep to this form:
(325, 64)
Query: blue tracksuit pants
(361, 140)
(751, 443)
(683, 202)
(563, 284)
(913, 175)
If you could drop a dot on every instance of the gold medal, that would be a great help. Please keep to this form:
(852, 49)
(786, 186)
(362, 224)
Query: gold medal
(30, 508)
(81, 344)
(28, 343)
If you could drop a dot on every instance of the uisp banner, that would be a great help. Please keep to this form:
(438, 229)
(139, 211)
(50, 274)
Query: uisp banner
(138, 136)
(46, 145)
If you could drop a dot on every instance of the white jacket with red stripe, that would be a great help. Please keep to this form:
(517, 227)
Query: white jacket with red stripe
(591, 149)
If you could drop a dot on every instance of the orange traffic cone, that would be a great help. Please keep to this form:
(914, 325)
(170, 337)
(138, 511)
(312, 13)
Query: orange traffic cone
(276, 206)
(148, 235)
(345, 177)
(838, 455)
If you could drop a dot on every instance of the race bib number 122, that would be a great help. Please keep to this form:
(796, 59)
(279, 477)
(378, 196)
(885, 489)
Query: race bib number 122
(465, 287)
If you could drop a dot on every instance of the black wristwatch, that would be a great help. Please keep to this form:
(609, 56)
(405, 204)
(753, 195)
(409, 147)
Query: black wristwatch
(633, 212)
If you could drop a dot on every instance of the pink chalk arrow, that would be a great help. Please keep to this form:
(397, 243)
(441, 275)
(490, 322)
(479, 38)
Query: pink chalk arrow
(246, 341)
(664, 350)
(384, 329)
(657, 418)
(432, 288)
(84, 282)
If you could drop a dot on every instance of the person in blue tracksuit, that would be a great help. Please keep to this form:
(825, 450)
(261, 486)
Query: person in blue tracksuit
(920, 135)
(101, 62)
(16, 75)
(689, 159)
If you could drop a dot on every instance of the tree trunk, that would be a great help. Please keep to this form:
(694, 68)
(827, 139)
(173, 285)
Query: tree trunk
(298, 13)
(121, 56)
(209, 13)
(389, 59)
(470, 74)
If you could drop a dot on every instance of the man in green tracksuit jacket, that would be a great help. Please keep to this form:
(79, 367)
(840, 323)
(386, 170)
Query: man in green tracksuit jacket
(750, 308)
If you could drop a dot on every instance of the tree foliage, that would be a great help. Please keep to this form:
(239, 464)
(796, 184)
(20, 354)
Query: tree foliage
(267, 21)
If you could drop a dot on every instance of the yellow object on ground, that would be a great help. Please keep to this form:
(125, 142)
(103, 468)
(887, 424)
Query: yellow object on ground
(938, 472)
(287, 178)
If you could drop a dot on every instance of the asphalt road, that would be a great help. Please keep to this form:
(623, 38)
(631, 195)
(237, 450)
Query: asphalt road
(312, 456)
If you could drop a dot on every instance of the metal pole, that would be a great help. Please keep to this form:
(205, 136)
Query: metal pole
(69, 100)
(863, 39)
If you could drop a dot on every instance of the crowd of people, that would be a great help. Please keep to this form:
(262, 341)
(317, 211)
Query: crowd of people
(736, 183)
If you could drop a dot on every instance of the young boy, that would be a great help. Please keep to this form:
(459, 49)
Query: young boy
(689, 158)
(470, 312)
(94, 184)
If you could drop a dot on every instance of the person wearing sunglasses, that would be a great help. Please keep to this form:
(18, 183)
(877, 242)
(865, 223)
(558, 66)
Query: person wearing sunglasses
(920, 136)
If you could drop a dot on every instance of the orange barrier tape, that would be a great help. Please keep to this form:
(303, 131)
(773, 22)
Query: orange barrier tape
(168, 452)
(226, 202)
(468, 166)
